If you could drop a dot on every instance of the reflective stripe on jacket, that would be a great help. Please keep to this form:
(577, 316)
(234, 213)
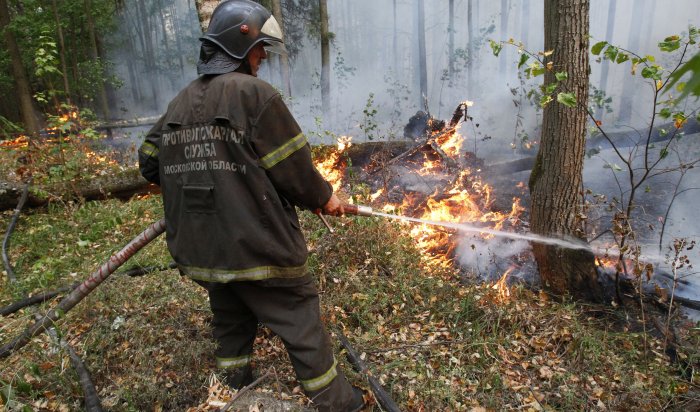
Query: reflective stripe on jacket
(232, 163)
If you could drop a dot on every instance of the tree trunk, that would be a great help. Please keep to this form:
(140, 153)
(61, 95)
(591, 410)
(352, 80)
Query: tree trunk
(451, 41)
(422, 60)
(325, 60)
(629, 84)
(24, 92)
(525, 23)
(395, 44)
(73, 40)
(283, 58)
(178, 39)
(557, 179)
(61, 51)
(148, 52)
(504, 62)
(605, 65)
(204, 10)
(470, 48)
(94, 53)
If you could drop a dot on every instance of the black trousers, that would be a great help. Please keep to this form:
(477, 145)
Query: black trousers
(290, 308)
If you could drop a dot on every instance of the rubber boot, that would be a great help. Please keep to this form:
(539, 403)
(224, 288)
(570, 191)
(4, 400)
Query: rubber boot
(338, 396)
(237, 378)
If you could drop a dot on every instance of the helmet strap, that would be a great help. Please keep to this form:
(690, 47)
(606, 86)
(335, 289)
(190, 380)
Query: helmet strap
(245, 67)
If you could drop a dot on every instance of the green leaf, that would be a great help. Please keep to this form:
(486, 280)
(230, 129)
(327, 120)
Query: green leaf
(693, 84)
(665, 113)
(611, 53)
(567, 99)
(561, 76)
(549, 89)
(23, 387)
(663, 153)
(495, 47)
(545, 100)
(598, 47)
(651, 72)
(670, 44)
(622, 57)
(523, 59)
(535, 69)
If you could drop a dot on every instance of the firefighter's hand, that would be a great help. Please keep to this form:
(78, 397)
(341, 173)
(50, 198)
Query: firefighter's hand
(333, 207)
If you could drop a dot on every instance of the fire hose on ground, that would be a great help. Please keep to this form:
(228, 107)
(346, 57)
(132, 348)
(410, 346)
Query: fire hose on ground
(79, 293)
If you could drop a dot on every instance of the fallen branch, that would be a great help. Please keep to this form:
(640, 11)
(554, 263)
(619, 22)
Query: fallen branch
(244, 390)
(121, 185)
(95, 279)
(6, 242)
(688, 303)
(621, 139)
(431, 142)
(92, 400)
(382, 396)
(36, 299)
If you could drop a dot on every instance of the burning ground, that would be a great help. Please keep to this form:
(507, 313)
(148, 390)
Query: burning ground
(438, 336)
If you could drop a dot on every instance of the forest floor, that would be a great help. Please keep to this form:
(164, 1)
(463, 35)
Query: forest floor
(434, 342)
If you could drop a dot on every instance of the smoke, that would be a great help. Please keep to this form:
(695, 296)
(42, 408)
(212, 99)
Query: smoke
(490, 258)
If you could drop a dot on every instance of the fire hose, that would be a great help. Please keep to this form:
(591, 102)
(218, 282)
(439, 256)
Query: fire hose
(94, 280)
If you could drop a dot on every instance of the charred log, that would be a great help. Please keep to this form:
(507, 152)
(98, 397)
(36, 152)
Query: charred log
(422, 124)
(123, 124)
(620, 139)
(120, 186)
(633, 137)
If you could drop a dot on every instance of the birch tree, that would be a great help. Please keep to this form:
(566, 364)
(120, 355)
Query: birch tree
(556, 182)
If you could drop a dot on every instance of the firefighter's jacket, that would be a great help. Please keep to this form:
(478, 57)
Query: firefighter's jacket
(232, 163)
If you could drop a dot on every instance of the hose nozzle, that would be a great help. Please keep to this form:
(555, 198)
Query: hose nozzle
(357, 210)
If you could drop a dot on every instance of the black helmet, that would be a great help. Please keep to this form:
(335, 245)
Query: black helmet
(238, 25)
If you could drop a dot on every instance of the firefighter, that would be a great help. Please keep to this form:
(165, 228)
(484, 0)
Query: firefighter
(232, 164)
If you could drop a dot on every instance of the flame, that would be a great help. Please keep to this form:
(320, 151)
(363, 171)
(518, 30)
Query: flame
(465, 200)
(66, 145)
(332, 167)
(502, 285)
(19, 142)
(451, 143)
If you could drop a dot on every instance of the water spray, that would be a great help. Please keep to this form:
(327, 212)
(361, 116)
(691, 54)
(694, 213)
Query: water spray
(361, 210)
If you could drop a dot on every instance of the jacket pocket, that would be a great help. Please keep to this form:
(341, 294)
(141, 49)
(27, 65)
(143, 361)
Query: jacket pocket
(199, 199)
